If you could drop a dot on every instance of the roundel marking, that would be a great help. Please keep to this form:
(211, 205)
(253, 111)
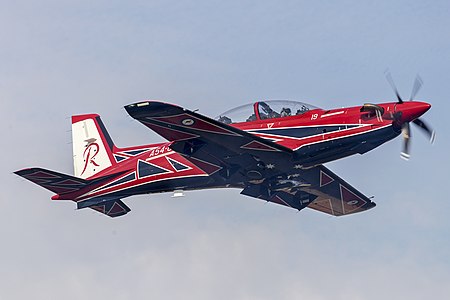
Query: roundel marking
(353, 202)
(188, 122)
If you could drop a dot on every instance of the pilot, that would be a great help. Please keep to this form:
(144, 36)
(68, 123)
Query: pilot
(251, 118)
(285, 112)
(225, 120)
(302, 110)
(266, 112)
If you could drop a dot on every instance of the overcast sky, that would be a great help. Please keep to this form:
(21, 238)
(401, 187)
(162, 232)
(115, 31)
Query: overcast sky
(59, 58)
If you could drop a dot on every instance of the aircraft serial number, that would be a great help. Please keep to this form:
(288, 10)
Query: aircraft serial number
(159, 150)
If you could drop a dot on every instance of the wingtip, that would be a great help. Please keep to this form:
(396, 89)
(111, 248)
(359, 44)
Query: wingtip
(24, 171)
(405, 156)
(151, 108)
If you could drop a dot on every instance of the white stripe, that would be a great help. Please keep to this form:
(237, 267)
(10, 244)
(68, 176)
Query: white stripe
(274, 137)
(342, 137)
(332, 114)
(303, 126)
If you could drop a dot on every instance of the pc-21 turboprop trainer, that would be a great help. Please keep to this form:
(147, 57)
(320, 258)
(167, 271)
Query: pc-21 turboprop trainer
(271, 150)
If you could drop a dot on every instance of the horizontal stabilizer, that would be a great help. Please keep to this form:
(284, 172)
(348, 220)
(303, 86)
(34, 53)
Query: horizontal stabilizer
(113, 208)
(56, 182)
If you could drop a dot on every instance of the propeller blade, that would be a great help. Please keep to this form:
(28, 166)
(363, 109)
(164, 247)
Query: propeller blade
(418, 82)
(391, 82)
(406, 132)
(429, 132)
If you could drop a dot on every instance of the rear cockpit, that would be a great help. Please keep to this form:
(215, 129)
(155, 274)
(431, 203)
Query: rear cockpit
(262, 110)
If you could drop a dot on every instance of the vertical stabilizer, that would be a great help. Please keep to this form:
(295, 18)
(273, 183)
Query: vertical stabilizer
(92, 145)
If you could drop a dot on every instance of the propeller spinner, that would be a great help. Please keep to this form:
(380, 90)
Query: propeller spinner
(410, 111)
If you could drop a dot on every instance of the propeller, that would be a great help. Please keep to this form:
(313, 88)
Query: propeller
(429, 132)
(406, 133)
(405, 128)
(392, 83)
(418, 82)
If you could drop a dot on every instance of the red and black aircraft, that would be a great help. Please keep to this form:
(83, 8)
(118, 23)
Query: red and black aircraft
(271, 150)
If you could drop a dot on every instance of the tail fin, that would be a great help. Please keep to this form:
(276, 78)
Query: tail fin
(92, 146)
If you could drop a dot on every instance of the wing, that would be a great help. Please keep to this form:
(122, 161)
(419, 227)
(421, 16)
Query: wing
(264, 169)
(334, 195)
(317, 188)
(211, 145)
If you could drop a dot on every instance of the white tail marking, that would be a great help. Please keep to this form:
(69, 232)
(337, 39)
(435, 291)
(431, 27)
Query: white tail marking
(91, 152)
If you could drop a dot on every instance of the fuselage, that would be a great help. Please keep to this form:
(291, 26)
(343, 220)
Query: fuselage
(317, 136)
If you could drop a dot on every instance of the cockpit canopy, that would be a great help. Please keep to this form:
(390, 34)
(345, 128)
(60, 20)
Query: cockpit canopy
(264, 110)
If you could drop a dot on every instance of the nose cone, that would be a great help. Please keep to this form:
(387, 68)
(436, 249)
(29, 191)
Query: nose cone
(411, 110)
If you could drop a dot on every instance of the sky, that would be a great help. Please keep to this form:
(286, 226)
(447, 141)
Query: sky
(60, 58)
